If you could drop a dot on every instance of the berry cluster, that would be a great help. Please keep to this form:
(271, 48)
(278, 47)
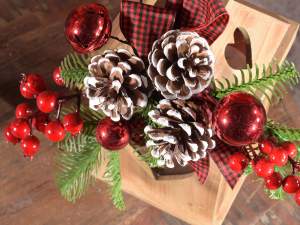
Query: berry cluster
(271, 155)
(28, 118)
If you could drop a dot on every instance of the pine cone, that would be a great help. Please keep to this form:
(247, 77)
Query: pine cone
(117, 83)
(181, 64)
(182, 134)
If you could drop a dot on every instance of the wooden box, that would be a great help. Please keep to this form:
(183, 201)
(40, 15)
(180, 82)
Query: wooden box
(271, 37)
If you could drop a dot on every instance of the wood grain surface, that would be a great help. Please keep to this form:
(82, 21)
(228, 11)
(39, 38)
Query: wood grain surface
(32, 39)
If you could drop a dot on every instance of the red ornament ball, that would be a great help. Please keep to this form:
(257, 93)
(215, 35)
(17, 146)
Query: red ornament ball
(57, 78)
(274, 181)
(112, 135)
(297, 197)
(40, 121)
(239, 119)
(291, 184)
(55, 131)
(264, 168)
(47, 101)
(9, 136)
(20, 128)
(279, 156)
(73, 123)
(290, 148)
(266, 146)
(31, 85)
(23, 111)
(88, 27)
(30, 146)
(238, 162)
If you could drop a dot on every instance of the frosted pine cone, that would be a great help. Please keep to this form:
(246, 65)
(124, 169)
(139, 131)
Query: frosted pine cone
(182, 134)
(181, 64)
(116, 84)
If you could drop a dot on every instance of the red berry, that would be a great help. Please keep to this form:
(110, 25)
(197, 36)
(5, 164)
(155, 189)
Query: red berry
(23, 111)
(55, 131)
(25, 92)
(291, 149)
(297, 197)
(20, 128)
(56, 76)
(291, 184)
(9, 136)
(279, 156)
(30, 146)
(274, 181)
(266, 146)
(47, 101)
(73, 123)
(40, 121)
(238, 161)
(34, 83)
(264, 168)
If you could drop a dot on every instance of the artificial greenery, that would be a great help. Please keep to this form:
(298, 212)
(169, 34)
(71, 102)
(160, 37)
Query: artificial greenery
(282, 132)
(268, 82)
(113, 175)
(275, 194)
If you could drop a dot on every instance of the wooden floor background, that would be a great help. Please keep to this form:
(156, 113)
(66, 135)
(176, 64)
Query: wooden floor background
(32, 40)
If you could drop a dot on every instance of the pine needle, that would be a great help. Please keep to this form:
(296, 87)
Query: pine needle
(283, 132)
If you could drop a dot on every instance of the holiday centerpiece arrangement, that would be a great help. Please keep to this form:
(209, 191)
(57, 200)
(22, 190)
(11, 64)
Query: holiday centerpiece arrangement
(161, 96)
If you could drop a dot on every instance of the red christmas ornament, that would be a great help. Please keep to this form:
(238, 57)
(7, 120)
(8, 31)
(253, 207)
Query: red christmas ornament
(88, 27)
(9, 136)
(40, 121)
(297, 197)
(290, 148)
(30, 146)
(274, 181)
(238, 162)
(23, 111)
(112, 135)
(31, 85)
(264, 168)
(47, 101)
(20, 128)
(73, 123)
(291, 184)
(239, 119)
(266, 146)
(279, 156)
(55, 131)
(57, 78)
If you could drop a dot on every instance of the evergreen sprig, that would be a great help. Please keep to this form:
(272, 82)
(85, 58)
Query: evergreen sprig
(74, 69)
(113, 175)
(283, 132)
(78, 160)
(277, 194)
(262, 82)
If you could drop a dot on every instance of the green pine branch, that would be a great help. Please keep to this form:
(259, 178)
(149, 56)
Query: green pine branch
(282, 132)
(113, 175)
(74, 69)
(266, 82)
(275, 194)
(78, 160)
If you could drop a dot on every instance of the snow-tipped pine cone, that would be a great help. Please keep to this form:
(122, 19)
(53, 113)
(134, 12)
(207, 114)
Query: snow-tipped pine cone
(117, 84)
(180, 64)
(182, 133)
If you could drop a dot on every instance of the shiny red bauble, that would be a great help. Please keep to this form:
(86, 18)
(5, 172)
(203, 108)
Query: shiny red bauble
(40, 121)
(291, 184)
(279, 156)
(73, 123)
(30, 146)
(264, 168)
(23, 111)
(112, 135)
(20, 128)
(266, 146)
(47, 101)
(9, 136)
(31, 85)
(88, 27)
(239, 119)
(290, 148)
(297, 197)
(238, 162)
(57, 78)
(55, 131)
(274, 181)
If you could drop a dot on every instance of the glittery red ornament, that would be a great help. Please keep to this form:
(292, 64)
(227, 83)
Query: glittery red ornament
(88, 27)
(112, 135)
(239, 119)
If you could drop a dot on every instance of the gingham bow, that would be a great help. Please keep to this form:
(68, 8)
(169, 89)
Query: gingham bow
(142, 24)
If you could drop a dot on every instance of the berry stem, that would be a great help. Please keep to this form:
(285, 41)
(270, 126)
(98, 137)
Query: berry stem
(65, 99)
(59, 109)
